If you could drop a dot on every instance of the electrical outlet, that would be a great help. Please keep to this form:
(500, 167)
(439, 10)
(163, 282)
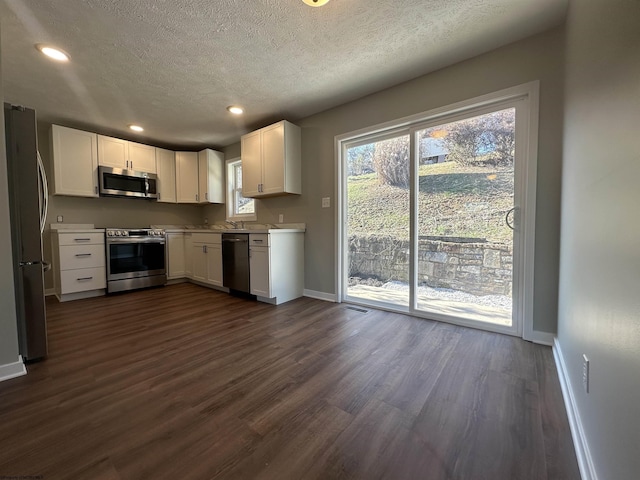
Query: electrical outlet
(585, 373)
(326, 202)
(281, 218)
(206, 221)
(60, 218)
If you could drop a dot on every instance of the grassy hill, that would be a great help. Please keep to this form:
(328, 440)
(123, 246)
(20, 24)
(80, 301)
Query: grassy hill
(453, 201)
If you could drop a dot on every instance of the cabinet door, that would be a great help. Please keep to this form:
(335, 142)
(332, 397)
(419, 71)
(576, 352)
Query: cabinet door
(211, 184)
(199, 258)
(75, 162)
(214, 264)
(166, 170)
(251, 153)
(113, 152)
(187, 177)
(260, 275)
(273, 159)
(188, 255)
(175, 255)
(142, 158)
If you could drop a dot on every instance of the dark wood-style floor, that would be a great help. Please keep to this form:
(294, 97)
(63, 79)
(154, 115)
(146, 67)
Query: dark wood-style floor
(184, 382)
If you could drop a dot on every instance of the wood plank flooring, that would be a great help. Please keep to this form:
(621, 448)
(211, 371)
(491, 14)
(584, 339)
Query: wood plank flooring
(183, 382)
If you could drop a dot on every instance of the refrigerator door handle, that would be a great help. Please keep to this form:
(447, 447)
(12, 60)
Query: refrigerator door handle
(28, 264)
(43, 193)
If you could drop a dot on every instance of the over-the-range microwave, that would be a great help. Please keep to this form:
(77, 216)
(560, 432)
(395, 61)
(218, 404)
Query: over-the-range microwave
(118, 182)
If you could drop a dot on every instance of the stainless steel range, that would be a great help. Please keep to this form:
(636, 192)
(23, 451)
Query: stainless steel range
(135, 258)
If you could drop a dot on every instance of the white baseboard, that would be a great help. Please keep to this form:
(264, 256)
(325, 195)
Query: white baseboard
(585, 462)
(327, 297)
(543, 338)
(12, 370)
(49, 292)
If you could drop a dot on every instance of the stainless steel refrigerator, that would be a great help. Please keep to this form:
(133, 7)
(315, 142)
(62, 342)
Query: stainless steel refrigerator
(28, 204)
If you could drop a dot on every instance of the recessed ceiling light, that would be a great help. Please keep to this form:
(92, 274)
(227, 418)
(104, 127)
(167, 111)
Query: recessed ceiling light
(236, 110)
(316, 3)
(136, 128)
(52, 52)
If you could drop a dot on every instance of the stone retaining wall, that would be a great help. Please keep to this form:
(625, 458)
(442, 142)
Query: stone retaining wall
(480, 268)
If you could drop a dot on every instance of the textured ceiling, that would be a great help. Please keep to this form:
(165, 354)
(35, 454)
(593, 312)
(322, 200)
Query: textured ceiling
(173, 66)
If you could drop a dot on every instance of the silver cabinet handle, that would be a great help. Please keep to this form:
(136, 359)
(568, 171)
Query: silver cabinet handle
(206, 195)
(205, 249)
(84, 279)
(196, 197)
(82, 239)
(158, 195)
(257, 241)
(83, 254)
(96, 187)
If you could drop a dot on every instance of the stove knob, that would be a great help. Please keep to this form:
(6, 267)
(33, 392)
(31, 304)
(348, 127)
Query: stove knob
(118, 233)
(125, 233)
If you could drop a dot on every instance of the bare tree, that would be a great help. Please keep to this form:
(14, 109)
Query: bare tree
(391, 161)
(486, 139)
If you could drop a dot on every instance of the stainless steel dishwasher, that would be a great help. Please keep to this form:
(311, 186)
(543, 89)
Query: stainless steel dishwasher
(235, 261)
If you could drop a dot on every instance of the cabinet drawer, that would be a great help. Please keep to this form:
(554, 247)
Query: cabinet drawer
(201, 237)
(81, 238)
(259, 239)
(73, 257)
(82, 280)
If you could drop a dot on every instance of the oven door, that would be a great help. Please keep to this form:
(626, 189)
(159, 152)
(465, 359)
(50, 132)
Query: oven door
(134, 258)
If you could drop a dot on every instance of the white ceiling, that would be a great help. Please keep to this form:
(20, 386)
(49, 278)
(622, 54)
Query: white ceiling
(174, 66)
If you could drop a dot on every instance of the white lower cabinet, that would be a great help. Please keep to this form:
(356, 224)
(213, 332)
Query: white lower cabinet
(207, 258)
(276, 262)
(79, 264)
(175, 258)
(260, 277)
(188, 255)
(276, 266)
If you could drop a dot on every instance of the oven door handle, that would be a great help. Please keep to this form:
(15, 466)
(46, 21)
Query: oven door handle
(135, 240)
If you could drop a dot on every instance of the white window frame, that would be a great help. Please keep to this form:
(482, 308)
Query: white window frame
(527, 93)
(231, 206)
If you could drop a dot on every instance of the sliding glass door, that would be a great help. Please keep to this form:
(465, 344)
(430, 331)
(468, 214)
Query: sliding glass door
(430, 218)
(377, 227)
(465, 203)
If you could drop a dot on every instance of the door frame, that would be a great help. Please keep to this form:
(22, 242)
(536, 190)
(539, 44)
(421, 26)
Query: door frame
(527, 146)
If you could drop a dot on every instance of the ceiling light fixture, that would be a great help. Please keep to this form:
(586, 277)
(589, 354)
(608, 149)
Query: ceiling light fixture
(235, 109)
(52, 52)
(136, 128)
(316, 3)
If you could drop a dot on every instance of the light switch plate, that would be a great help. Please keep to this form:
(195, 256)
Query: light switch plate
(60, 218)
(281, 218)
(326, 202)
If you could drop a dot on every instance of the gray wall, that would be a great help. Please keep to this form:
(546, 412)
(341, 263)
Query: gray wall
(8, 327)
(536, 58)
(599, 308)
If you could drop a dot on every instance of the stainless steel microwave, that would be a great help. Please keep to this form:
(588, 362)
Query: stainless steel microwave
(118, 182)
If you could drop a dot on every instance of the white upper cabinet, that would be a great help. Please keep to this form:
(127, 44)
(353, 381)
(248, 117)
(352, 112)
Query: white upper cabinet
(166, 171)
(271, 161)
(211, 176)
(75, 162)
(187, 177)
(142, 158)
(118, 153)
